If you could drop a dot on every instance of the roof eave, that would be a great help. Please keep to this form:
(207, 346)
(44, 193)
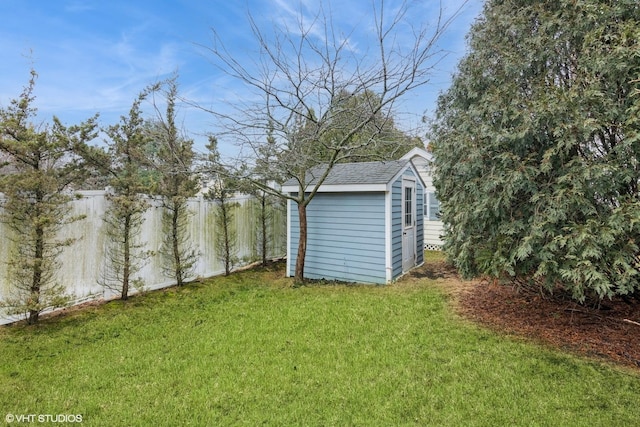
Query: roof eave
(338, 188)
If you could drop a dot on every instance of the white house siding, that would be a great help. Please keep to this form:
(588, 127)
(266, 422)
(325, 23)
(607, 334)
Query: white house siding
(345, 237)
(433, 229)
(432, 233)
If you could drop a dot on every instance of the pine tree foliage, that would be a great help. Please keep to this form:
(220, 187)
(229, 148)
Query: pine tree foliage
(267, 204)
(174, 184)
(124, 163)
(222, 191)
(38, 176)
(379, 139)
(537, 147)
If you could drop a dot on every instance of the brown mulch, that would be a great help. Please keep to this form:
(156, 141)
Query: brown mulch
(611, 332)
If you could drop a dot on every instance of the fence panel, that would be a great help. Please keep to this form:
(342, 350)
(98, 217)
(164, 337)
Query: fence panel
(83, 262)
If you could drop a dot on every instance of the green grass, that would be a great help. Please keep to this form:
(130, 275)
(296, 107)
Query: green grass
(250, 349)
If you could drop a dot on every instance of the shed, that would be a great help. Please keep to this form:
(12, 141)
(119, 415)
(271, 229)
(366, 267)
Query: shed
(365, 223)
(433, 226)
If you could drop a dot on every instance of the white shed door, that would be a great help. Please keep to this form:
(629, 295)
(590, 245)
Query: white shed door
(408, 225)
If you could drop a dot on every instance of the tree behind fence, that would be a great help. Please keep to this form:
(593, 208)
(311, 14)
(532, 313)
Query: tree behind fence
(85, 260)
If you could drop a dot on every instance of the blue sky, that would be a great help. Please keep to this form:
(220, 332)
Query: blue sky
(95, 56)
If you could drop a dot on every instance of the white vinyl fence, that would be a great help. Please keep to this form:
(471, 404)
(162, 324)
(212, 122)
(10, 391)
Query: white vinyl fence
(83, 262)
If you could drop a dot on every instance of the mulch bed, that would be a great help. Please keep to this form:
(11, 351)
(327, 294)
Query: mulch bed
(611, 332)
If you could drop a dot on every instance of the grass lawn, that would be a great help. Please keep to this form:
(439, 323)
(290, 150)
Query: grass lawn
(250, 349)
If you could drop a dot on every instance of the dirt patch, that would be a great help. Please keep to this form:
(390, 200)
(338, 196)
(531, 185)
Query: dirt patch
(445, 277)
(611, 332)
(435, 270)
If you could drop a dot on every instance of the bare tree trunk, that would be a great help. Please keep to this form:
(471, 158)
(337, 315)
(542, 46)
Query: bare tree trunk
(127, 258)
(36, 281)
(302, 244)
(263, 219)
(224, 209)
(175, 242)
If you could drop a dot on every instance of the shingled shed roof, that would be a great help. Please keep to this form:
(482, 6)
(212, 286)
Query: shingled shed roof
(364, 173)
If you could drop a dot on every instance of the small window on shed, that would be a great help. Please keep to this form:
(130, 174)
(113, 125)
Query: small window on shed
(408, 206)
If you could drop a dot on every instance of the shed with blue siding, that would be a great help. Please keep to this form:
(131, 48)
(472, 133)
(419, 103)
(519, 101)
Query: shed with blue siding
(365, 224)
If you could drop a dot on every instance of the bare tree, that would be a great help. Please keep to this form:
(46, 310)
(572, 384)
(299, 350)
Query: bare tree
(303, 81)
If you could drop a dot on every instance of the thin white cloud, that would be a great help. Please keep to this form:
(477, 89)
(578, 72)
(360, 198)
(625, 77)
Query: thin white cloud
(86, 69)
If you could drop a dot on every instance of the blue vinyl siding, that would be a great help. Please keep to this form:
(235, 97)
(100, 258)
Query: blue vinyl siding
(347, 236)
(419, 224)
(346, 239)
(396, 228)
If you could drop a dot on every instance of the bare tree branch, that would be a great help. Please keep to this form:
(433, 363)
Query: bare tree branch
(304, 78)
